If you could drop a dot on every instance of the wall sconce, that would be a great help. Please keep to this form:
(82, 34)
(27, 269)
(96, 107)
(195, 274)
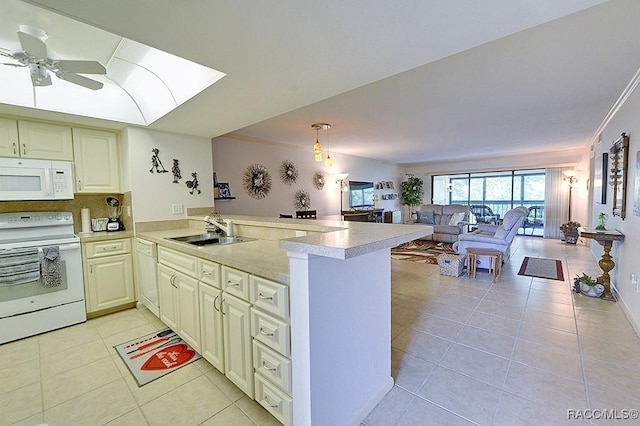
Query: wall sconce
(317, 147)
(571, 179)
(341, 181)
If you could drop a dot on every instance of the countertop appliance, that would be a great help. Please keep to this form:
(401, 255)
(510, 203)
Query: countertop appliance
(38, 294)
(115, 211)
(24, 179)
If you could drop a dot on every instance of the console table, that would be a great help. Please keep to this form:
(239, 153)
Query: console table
(606, 263)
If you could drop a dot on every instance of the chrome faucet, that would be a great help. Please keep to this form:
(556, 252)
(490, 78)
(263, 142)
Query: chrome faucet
(215, 224)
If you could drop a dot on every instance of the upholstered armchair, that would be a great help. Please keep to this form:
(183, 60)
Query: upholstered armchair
(496, 237)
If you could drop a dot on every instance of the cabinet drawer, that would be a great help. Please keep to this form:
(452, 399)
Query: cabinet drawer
(271, 331)
(235, 282)
(108, 248)
(272, 365)
(178, 261)
(274, 400)
(270, 296)
(209, 272)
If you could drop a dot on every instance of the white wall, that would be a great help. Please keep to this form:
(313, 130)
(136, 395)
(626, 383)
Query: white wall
(625, 254)
(231, 156)
(154, 194)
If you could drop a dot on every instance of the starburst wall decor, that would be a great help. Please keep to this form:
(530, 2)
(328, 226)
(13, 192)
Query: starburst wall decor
(302, 200)
(257, 181)
(318, 181)
(288, 172)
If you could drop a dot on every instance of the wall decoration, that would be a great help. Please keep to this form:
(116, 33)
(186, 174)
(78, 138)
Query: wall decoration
(599, 178)
(619, 163)
(318, 181)
(257, 181)
(176, 171)
(636, 197)
(193, 184)
(224, 190)
(288, 172)
(156, 164)
(302, 200)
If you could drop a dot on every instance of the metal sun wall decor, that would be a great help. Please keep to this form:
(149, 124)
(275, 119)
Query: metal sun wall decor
(302, 200)
(318, 181)
(193, 184)
(257, 181)
(288, 172)
(156, 164)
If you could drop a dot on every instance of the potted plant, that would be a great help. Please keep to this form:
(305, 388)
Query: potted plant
(570, 231)
(588, 285)
(411, 192)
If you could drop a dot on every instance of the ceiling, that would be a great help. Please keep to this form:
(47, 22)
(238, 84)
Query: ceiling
(408, 82)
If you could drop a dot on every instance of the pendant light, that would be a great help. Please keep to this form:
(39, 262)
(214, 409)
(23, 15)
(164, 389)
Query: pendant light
(317, 147)
(328, 162)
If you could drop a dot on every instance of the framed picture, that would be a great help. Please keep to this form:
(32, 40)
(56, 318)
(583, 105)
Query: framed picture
(636, 197)
(600, 179)
(618, 174)
(224, 190)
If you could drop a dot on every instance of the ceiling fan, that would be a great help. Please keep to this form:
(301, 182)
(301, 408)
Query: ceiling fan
(34, 56)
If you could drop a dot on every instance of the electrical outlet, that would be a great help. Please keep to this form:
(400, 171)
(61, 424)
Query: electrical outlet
(634, 280)
(178, 209)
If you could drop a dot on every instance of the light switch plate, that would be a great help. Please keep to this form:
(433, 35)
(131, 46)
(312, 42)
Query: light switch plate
(178, 209)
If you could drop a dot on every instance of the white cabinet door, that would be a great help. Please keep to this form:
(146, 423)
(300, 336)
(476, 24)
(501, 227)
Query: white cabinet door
(211, 341)
(188, 310)
(110, 282)
(9, 143)
(95, 155)
(238, 358)
(147, 275)
(45, 141)
(168, 296)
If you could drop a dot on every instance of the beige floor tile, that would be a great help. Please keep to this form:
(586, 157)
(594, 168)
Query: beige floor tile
(231, 415)
(516, 410)
(409, 371)
(549, 320)
(461, 394)
(421, 412)
(608, 375)
(15, 376)
(20, 404)
(37, 419)
(501, 309)
(544, 387)
(518, 300)
(604, 330)
(621, 405)
(77, 381)
(623, 355)
(189, 404)
(426, 346)
(225, 385)
(19, 351)
(389, 410)
(120, 322)
(559, 362)
(483, 366)
(549, 337)
(59, 362)
(561, 309)
(98, 406)
(438, 326)
(487, 341)
(67, 338)
(132, 418)
(495, 323)
(448, 311)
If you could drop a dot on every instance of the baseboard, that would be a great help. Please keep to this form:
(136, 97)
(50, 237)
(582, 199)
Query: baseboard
(626, 311)
(364, 411)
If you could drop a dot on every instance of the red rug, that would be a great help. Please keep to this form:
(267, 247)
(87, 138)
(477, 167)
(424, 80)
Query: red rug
(542, 268)
(421, 251)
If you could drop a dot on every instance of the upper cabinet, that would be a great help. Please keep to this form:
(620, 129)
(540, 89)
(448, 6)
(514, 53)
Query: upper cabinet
(96, 161)
(29, 139)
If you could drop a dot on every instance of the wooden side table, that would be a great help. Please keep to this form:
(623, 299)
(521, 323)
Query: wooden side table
(495, 261)
(606, 263)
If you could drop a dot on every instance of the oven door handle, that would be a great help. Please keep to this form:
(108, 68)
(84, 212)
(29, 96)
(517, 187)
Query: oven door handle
(62, 247)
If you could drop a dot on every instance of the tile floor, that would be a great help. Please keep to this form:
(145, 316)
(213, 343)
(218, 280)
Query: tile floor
(519, 351)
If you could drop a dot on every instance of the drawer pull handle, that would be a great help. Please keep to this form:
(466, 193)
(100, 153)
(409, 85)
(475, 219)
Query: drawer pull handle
(261, 296)
(233, 283)
(24, 149)
(14, 148)
(266, 401)
(204, 272)
(266, 367)
(109, 248)
(264, 333)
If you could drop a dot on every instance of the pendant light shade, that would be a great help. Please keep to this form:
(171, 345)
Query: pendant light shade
(317, 147)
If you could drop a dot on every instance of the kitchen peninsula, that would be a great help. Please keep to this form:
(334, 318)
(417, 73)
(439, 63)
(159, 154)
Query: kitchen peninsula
(338, 276)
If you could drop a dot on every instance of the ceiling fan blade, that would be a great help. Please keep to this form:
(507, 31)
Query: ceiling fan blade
(33, 45)
(82, 67)
(40, 81)
(80, 80)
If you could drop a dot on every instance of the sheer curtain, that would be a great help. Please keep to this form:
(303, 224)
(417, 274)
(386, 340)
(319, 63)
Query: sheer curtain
(556, 203)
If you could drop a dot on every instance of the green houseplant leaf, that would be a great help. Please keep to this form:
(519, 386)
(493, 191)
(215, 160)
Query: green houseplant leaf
(411, 191)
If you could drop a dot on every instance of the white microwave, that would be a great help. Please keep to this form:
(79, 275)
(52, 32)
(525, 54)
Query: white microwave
(23, 179)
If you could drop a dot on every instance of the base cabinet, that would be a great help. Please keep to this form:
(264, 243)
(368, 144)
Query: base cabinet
(168, 295)
(236, 321)
(211, 340)
(108, 267)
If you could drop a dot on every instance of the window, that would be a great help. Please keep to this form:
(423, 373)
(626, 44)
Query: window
(360, 194)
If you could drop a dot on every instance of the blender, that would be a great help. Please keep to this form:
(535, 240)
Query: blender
(115, 210)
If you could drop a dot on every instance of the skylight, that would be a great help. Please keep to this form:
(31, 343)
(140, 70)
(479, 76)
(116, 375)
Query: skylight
(141, 85)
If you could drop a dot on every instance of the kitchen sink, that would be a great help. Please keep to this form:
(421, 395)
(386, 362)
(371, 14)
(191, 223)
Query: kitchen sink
(209, 238)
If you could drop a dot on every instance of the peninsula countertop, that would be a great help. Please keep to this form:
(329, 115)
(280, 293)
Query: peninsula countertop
(268, 258)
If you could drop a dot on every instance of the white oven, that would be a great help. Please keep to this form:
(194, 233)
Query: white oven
(41, 287)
